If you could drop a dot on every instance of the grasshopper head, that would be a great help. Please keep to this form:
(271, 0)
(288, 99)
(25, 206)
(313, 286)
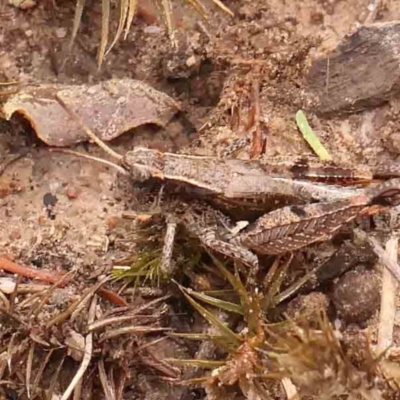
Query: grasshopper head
(144, 163)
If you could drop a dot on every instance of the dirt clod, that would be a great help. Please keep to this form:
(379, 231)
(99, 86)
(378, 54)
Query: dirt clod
(308, 307)
(356, 295)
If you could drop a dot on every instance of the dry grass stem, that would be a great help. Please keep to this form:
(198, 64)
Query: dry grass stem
(135, 329)
(133, 314)
(107, 388)
(290, 389)
(388, 300)
(87, 354)
(40, 371)
(29, 369)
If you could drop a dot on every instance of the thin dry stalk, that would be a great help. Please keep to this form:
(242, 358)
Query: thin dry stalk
(14, 294)
(290, 389)
(105, 26)
(87, 354)
(392, 266)
(29, 369)
(54, 380)
(388, 300)
(133, 314)
(41, 369)
(135, 329)
(107, 388)
(5, 301)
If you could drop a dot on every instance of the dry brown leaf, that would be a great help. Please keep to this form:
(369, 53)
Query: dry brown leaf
(109, 108)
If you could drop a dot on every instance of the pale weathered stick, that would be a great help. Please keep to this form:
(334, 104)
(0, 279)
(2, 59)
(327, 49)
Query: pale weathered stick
(290, 389)
(388, 300)
(391, 265)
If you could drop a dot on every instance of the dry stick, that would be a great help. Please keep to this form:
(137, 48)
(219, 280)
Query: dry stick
(87, 353)
(386, 260)
(388, 300)
(87, 130)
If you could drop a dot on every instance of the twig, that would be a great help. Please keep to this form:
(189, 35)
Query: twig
(388, 300)
(392, 266)
(87, 353)
(27, 272)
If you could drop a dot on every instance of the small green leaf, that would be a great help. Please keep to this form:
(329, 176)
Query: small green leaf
(310, 137)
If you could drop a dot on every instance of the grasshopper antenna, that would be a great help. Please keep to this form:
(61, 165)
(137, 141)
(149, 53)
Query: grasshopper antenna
(87, 130)
(100, 160)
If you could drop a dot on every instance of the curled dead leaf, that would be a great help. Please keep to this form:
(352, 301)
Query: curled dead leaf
(109, 108)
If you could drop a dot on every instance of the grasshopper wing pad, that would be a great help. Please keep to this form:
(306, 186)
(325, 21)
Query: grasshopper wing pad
(291, 228)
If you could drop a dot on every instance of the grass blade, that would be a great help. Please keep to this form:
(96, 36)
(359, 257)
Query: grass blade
(230, 336)
(224, 305)
(310, 137)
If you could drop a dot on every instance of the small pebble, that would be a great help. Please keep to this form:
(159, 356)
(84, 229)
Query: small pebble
(152, 30)
(61, 33)
(71, 192)
(357, 295)
(15, 235)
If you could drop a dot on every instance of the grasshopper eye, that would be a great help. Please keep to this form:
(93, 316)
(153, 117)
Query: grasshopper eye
(139, 174)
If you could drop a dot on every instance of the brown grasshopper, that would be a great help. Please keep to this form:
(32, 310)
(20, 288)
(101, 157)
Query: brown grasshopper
(253, 184)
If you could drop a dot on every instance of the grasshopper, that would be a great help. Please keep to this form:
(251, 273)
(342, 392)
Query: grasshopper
(311, 212)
